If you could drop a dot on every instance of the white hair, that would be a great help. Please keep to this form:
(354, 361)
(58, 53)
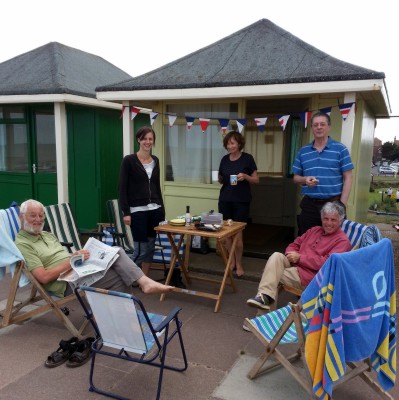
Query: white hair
(25, 205)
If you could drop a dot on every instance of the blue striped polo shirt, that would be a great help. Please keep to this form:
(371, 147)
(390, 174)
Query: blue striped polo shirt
(327, 166)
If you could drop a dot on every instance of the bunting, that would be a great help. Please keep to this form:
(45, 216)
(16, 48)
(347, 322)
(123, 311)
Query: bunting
(153, 116)
(133, 112)
(240, 124)
(190, 121)
(326, 110)
(260, 123)
(305, 117)
(123, 110)
(204, 122)
(345, 109)
(172, 118)
(223, 124)
(283, 119)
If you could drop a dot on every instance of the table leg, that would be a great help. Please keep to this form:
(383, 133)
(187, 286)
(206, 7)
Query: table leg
(227, 270)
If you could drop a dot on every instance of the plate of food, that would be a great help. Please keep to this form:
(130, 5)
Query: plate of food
(177, 222)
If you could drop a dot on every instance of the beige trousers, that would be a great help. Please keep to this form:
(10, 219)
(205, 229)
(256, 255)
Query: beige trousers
(278, 270)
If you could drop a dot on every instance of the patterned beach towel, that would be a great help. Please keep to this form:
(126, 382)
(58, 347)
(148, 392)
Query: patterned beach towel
(351, 305)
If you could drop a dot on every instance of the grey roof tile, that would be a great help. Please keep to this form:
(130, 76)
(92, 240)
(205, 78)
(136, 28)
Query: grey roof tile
(57, 69)
(260, 54)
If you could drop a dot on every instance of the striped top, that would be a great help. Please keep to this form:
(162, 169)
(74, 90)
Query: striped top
(327, 166)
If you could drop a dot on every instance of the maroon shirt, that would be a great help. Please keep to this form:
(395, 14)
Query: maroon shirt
(315, 247)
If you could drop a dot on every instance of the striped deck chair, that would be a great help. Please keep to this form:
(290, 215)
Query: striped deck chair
(336, 333)
(61, 223)
(123, 235)
(21, 306)
(355, 232)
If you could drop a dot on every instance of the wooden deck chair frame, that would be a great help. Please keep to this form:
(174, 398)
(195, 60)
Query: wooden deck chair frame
(271, 350)
(62, 223)
(353, 230)
(16, 312)
(122, 234)
(126, 331)
(12, 314)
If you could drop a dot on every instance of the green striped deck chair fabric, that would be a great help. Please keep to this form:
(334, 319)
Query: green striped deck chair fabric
(61, 223)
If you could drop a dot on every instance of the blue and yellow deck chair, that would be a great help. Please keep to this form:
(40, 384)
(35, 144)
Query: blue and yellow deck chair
(343, 326)
(124, 330)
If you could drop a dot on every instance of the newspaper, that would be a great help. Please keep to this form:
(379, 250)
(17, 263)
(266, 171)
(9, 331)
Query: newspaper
(87, 272)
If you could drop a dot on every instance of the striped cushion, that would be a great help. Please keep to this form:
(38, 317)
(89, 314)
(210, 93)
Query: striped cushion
(62, 224)
(354, 231)
(167, 248)
(268, 325)
(13, 225)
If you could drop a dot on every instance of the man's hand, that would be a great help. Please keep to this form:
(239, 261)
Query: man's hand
(293, 257)
(86, 254)
(311, 181)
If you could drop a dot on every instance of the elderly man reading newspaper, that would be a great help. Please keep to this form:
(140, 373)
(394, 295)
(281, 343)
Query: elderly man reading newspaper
(47, 259)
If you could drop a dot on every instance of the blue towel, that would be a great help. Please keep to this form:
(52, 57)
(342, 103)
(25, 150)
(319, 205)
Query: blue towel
(9, 253)
(351, 304)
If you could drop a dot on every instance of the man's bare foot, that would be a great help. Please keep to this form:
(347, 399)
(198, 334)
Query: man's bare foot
(239, 271)
(149, 286)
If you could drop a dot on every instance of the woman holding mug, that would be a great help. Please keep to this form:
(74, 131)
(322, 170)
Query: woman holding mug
(237, 171)
(140, 197)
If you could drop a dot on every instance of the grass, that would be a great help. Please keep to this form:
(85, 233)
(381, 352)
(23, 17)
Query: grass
(384, 204)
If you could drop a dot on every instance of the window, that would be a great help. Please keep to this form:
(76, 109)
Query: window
(191, 155)
(13, 139)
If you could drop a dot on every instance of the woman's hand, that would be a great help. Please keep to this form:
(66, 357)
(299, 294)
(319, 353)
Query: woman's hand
(127, 219)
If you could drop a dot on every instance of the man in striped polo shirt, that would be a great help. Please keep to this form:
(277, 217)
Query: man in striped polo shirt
(324, 169)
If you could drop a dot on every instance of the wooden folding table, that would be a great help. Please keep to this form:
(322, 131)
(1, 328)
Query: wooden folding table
(227, 231)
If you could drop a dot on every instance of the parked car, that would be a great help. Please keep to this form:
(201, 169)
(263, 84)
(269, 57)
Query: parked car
(387, 171)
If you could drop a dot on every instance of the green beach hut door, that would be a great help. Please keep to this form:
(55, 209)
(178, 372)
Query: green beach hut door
(27, 154)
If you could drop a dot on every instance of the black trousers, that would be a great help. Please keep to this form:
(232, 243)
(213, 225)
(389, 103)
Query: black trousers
(310, 214)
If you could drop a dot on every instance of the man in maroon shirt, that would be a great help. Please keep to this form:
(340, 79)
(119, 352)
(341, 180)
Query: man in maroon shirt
(304, 257)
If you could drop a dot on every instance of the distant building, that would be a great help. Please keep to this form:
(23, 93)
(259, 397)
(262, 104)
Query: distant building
(377, 150)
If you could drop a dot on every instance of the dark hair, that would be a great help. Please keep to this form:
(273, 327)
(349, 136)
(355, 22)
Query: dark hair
(143, 131)
(320, 114)
(237, 137)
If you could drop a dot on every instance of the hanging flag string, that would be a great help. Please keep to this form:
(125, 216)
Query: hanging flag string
(260, 122)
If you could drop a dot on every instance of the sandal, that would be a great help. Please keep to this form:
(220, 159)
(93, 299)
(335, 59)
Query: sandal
(62, 354)
(82, 353)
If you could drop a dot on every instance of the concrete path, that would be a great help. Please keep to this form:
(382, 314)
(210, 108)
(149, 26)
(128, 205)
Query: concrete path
(219, 352)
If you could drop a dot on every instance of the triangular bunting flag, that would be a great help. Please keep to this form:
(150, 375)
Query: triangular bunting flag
(326, 110)
(153, 116)
(283, 119)
(204, 122)
(190, 121)
(261, 122)
(172, 119)
(133, 112)
(240, 124)
(345, 109)
(305, 117)
(223, 124)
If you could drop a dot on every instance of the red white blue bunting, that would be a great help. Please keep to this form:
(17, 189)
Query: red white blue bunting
(241, 122)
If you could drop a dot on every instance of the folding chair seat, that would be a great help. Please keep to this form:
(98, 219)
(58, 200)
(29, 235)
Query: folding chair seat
(61, 222)
(123, 235)
(19, 310)
(125, 330)
(344, 325)
(355, 231)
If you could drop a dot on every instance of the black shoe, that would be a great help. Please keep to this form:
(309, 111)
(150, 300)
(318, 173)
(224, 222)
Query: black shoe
(261, 301)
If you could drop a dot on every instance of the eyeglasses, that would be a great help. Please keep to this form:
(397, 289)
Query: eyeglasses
(35, 216)
(321, 124)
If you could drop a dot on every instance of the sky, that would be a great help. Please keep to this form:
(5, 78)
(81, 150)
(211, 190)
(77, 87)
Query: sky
(138, 37)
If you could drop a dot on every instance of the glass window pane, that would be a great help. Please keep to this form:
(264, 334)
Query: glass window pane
(13, 148)
(45, 139)
(12, 112)
(192, 155)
